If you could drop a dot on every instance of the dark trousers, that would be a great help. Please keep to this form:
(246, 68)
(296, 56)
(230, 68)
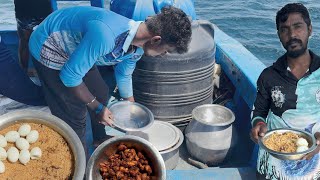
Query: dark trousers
(15, 83)
(260, 176)
(67, 106)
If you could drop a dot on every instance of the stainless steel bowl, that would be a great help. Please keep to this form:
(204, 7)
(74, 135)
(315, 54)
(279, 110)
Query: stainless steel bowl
(109, 147)
(34, 116)
(289, 156)
(131, 116)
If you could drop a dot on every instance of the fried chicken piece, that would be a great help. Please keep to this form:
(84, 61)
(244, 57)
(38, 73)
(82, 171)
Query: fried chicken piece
(148, 169)
(122, 147)
(136, 157)
(134, 171)
(138, 177)
(132, 163)
(123, 169)
(141, 156)
(111, 172)
(144, 162)
(119, 175)
(141, 166)
(145, 176)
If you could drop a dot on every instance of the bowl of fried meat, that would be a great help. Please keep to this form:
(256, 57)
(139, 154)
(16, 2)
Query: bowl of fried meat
(126, 157)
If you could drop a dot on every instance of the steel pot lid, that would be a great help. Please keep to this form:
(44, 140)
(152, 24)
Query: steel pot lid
(161, 134)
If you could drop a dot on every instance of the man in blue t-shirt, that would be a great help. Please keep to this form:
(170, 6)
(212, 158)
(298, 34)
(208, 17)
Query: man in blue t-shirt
(69, 44)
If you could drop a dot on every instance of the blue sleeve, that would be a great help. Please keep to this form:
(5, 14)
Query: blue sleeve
(97, 41)
(123, 74)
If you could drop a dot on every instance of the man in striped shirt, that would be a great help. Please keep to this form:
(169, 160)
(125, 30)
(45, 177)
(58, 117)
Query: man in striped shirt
(69, 44)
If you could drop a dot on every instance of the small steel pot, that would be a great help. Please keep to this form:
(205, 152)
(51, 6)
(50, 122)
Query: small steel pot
(171, 156)
(34, 116)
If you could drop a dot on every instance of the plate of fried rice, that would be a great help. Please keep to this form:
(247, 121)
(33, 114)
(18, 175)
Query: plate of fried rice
(287, 143)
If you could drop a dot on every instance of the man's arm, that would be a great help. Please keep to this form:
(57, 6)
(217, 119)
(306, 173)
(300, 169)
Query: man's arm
(260, 112)
(83, 93)
(97, 41)
(123, 73)
(262, 102)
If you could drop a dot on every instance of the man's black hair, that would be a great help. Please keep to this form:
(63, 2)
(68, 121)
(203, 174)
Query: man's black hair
(283, 13)
(174, 27)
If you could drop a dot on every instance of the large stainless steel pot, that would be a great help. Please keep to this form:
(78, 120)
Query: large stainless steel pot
(209, 134)
(34, 116)
(110, 146)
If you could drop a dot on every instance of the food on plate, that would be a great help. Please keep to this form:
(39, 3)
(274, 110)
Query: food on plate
(287, 142)
(12, 136)
(2, 167)
(126, 163)
(302, 142)
(13, 154)
(35, 153)
(24, 156)
(302, 148)
(33, 136)
(24, 129)
(3, 141)
(22, 143)
(3, 154)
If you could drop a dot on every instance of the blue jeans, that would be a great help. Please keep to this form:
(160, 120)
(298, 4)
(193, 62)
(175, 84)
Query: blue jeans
(15, 83)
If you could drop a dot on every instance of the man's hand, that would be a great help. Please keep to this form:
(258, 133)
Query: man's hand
(317, 150)
(259, 129)
(105, 117)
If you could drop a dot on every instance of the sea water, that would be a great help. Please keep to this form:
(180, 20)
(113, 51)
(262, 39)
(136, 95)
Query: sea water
(251, 22)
